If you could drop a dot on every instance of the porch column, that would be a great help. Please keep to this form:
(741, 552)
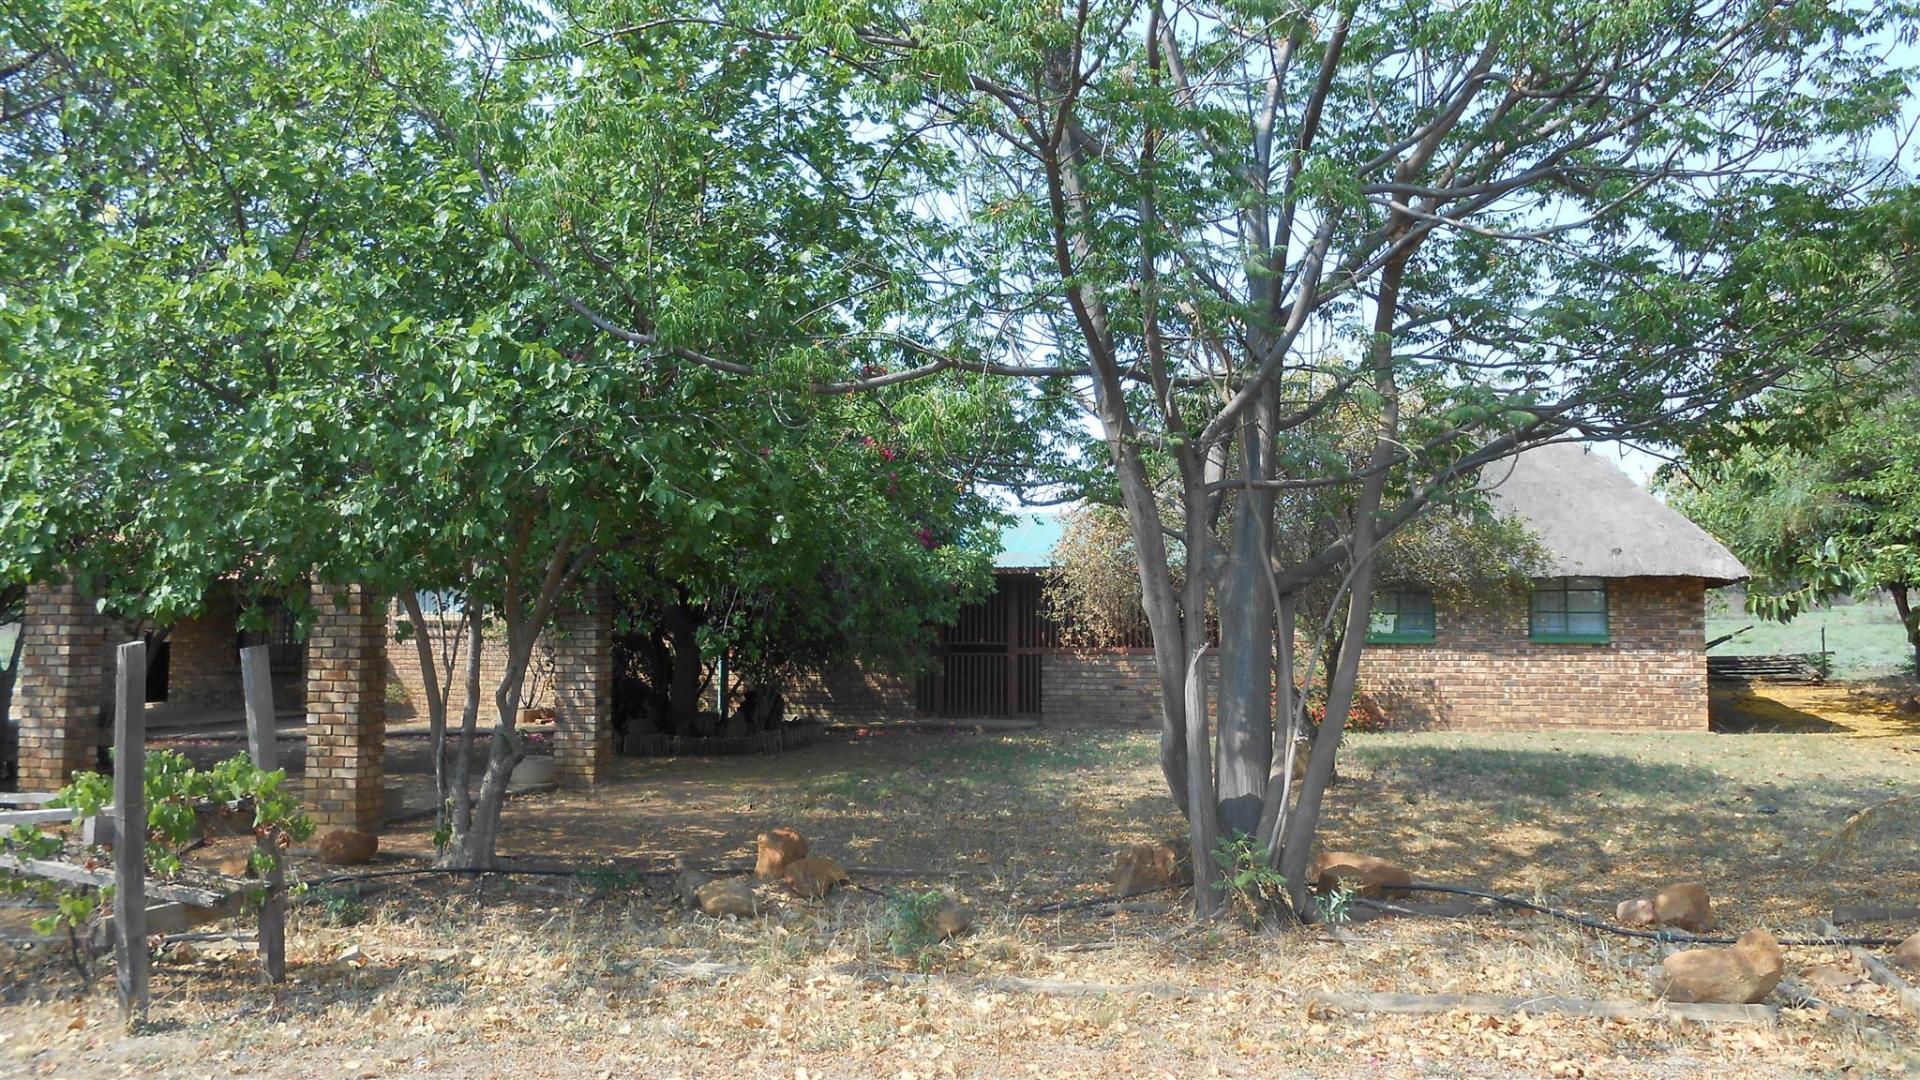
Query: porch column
(582, 647)
(65, 679)
(346, 707)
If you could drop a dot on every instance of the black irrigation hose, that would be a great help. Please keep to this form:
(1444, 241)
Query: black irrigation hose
(473, 871)
(1665, 936)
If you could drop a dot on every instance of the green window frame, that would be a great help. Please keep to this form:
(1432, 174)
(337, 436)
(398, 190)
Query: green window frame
(1401, 617)
(1569, 611)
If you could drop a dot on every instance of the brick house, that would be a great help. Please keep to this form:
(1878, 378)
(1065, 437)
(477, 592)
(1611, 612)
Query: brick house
(1613, 637)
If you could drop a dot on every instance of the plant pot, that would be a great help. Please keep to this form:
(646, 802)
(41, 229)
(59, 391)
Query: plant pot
(531, 771)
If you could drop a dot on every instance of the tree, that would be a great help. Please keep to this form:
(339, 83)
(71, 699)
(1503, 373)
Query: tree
(1816, 511)
(851, 546)
(1486, 226)
(271, 324)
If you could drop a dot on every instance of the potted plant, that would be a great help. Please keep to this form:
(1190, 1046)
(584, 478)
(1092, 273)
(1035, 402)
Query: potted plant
(538, 766)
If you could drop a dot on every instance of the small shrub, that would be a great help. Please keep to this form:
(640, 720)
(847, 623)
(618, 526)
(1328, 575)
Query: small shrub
(1252, 886)
(910, 921)
(340, 907)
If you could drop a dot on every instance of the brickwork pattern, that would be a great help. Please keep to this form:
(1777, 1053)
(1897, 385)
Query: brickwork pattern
(346, 707)
(580, 655)
(1482, 673)
(203, 657)
(1106, 687)
(850, 695)
(403, 668)
(65, 687)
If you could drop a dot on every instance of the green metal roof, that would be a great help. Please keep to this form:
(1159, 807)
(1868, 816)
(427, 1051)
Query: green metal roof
(1028, 543)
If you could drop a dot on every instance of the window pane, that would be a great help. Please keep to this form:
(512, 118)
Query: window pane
(1417, 622)
(1583, 600)
(1549, 622)
(1549, 600)
(1387, 602)
(1382, 622)
(1587, 623)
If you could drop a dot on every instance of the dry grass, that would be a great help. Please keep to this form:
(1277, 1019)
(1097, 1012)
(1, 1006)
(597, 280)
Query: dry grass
(564, 978)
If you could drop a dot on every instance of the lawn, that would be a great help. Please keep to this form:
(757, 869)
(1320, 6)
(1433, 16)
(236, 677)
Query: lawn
(602, 976)
(1866, 639)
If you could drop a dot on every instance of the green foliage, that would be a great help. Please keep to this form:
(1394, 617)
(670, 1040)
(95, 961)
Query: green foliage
(176, 792)
(1250, 883)
(911, 929)
(340, 907)
(1818, 492)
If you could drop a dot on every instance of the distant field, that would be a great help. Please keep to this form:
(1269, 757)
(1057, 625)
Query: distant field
(1865, 638)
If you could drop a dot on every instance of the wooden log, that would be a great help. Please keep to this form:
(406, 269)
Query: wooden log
(1882, 972)
(1490, 1004)
(51, 815)
(257, 681)
(130, 845)
(173, 918)
(56, 870)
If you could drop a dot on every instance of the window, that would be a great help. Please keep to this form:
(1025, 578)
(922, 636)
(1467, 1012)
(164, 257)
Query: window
(1402, 616)
(1571, 610)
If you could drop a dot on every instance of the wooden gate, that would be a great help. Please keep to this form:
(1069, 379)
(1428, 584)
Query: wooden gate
(988, 661)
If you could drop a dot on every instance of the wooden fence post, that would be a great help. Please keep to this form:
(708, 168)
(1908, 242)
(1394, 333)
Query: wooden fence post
(257, 681)
(130, 837)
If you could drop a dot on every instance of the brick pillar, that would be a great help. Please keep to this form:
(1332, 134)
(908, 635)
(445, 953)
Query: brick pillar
(65, 678)
(346, 707)
(203, 656)
(582, 647)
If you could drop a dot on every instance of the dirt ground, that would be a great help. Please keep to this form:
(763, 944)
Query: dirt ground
(600, 975)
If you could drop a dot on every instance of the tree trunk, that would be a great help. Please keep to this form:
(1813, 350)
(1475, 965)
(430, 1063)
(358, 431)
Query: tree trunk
(1902, 604)
(1296, 848)
(477, 845)
(436, 694)
(684, 692)
(1245, 727)
(1203, 826)
(462, 781)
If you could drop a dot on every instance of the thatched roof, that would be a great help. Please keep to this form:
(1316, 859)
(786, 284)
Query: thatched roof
(1596, 522)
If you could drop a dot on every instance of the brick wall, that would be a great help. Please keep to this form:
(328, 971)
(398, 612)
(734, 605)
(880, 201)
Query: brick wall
(203, 657)
(403, 668)
(849, 695)
(1482, 673)
(1118, 687)
(66, 685)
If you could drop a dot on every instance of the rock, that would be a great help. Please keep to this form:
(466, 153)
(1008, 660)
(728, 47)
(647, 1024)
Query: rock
(1686, 906)
(814, 877)
(347, 847)
(1146, 867)
(352, 956)
(1364, 874)
(953, 919)
(1742, 974)
(726, 896)
(777, 848)
(1833, 975)
(1907, 953)
(1634, 912)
